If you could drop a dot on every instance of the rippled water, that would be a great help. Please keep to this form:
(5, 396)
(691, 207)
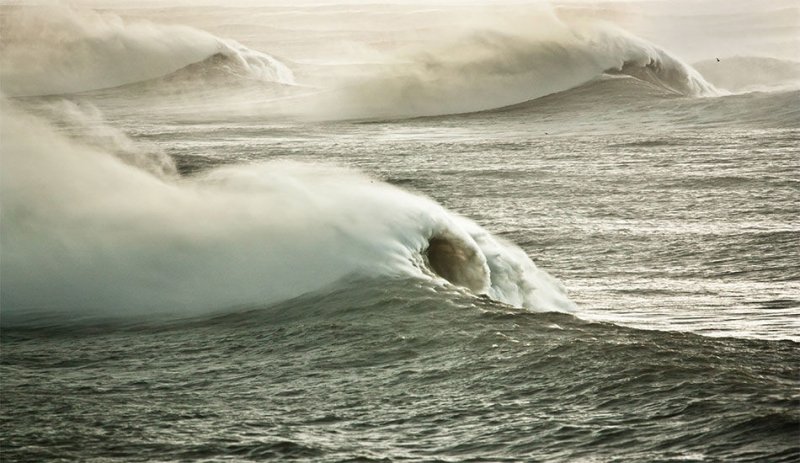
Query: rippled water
(395, 372)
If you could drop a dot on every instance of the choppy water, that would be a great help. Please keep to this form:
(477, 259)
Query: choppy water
(396, 372)
(229, 292)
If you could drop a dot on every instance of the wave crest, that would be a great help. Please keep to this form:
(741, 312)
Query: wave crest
(235, 62)
(649, 63)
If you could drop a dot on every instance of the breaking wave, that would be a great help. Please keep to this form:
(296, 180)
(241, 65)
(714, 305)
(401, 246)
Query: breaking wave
(82, 230)
(57, 50)
(492, 69)
(235, 63)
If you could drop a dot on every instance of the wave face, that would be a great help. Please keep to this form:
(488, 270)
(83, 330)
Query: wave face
(83, 231)
(615, 99)
(57, 50)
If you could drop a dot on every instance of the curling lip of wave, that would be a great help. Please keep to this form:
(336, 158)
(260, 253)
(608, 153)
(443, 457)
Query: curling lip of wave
(672, 76)
(645, 61)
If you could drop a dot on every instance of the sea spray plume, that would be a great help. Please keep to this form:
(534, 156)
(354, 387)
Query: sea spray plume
(56, 50)
(82, 231)
(85, 122)
(502, 64)
(59, 50)
(485, 70)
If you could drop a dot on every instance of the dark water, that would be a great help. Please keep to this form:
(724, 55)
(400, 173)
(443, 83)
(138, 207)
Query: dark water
(376, 371)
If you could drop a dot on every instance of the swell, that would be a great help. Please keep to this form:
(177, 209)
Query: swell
(774, 108)
(57, 50)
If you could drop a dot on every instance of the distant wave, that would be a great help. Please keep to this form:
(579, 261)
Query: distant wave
(599, 94)
(618, 98)
(492, 69)
(238, 62)
(57, 50)
(83, 231)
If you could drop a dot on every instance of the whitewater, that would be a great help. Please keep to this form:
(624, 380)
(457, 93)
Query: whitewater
(349, 231)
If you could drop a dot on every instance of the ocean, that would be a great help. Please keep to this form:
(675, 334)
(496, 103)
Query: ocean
(400, 231)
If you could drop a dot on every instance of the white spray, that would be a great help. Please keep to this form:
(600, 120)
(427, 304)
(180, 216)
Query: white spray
(82, 230)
